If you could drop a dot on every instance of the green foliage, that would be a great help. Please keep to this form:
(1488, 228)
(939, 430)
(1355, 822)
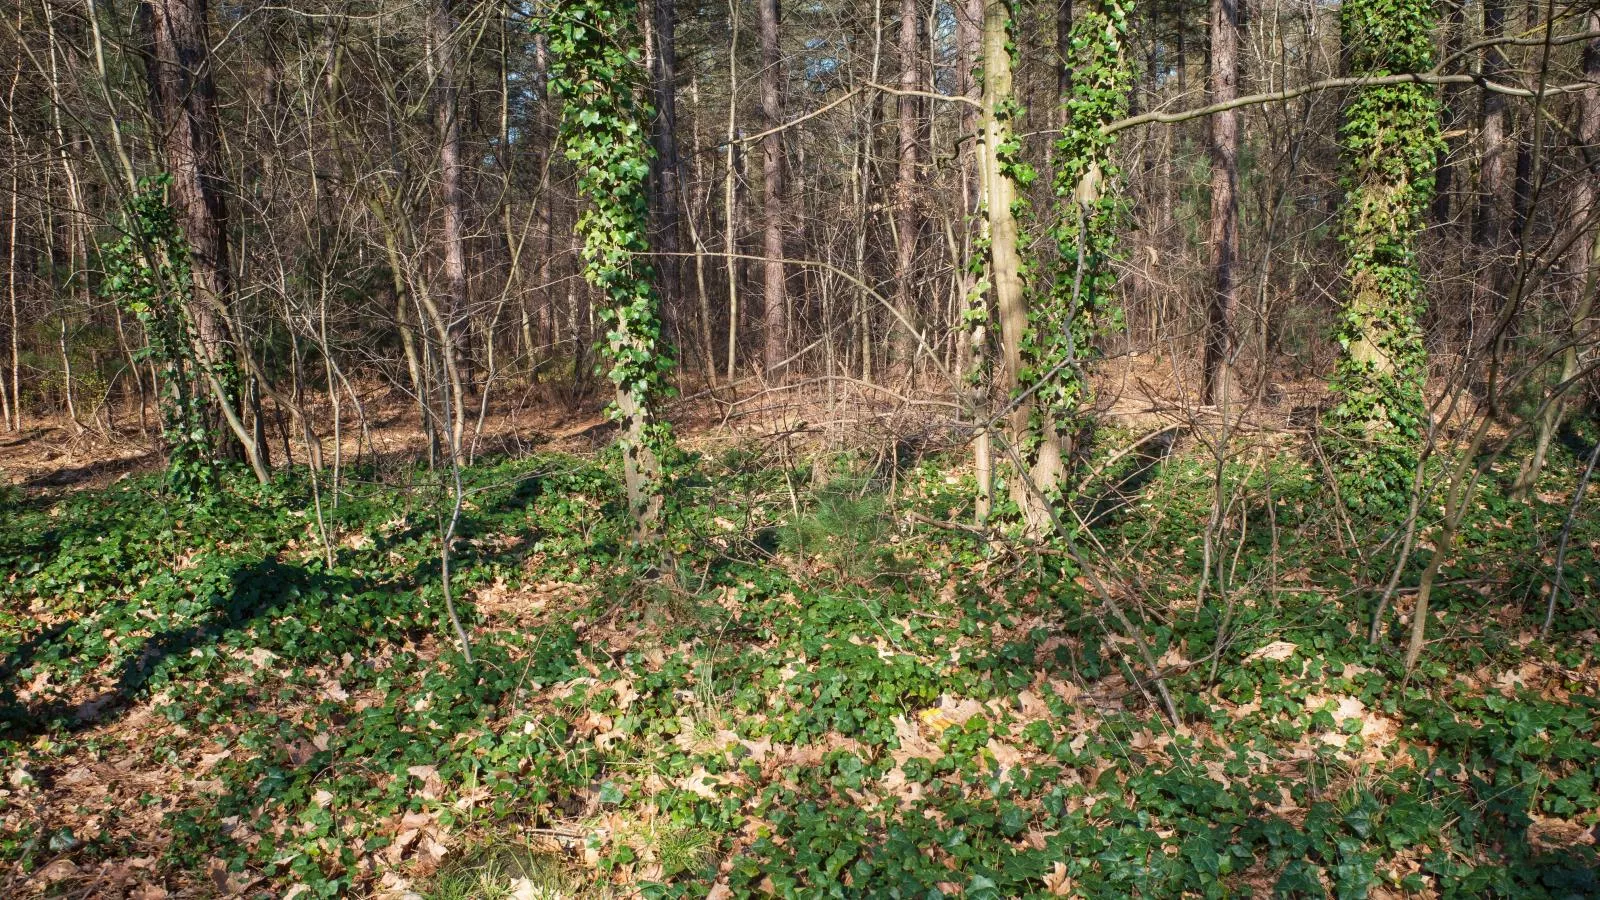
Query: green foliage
(848, 527)
(799, 732)
(148, 274)
(1390, 140)
(1064, 321)
(595, 72)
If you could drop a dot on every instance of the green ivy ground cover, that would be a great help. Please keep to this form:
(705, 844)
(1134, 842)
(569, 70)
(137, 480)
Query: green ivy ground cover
(834, 697)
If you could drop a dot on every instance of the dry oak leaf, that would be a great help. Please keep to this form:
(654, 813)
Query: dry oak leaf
(700, 782)
(60, 870)
(948, 712)
(432, 784)
(1057, 882)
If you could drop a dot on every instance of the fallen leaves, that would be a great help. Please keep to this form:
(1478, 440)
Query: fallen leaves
(948, 712)
(1277, 651)
(417, 837)
(432, 784)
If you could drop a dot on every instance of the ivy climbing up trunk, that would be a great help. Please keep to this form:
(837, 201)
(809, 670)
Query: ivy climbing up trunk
(1390, 140)
(596, 73)
(1063, 321)
(185, 105)
(1046, 335)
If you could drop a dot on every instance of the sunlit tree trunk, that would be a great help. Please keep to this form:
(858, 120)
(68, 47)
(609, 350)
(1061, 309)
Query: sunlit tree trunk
(1220, 385)
(441, 28)
(1583, 259)
(1390, 149)
(775, 297)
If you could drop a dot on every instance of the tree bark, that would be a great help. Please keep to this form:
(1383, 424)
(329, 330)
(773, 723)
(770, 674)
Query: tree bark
(1005, 258)
(907, 222)
(1445, 172)
(666, 167)
(1219, 384)
(1583, 261)
(1494, 171)
(441, 27)
(183, 97)
(775, 298)
(969, 23)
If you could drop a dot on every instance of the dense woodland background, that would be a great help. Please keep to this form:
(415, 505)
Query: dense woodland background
(1095, 448)
(356, 156)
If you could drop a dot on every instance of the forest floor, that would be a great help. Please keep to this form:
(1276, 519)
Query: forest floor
(841, 689)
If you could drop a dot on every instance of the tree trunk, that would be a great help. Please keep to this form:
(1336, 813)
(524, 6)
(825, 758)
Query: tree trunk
(907, 221)
(1444, 174)
(184, 99)
(1389, 144)
(730, 207)
(666, 167)
(441, 30)
(1220, 385)
(1494, 172)
(1005, 258)
(775, 298)
(969, 23)
(1583, 262)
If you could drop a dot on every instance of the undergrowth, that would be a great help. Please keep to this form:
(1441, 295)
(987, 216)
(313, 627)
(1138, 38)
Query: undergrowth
(830, 695)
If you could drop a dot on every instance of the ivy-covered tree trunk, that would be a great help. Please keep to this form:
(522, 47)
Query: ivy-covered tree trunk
(596, 73)
(1045, 339)
(1390, 143)
(1063, 320)
(184, 99)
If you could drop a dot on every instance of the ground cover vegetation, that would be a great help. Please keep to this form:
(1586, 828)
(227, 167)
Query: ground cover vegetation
(855, 696)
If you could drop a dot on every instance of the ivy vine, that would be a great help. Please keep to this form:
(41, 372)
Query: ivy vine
(148, 274)
(1064, 322)
(595, 73)
(1391, 140)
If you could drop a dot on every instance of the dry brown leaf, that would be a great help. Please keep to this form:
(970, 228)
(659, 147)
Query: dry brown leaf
(432, 784)
(1057, 882)
(1277, 651)
(700, 782)
(60, 870)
